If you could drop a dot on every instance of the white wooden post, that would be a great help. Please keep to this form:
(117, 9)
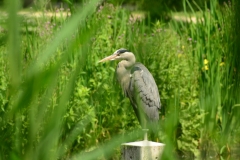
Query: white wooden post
(142, 150)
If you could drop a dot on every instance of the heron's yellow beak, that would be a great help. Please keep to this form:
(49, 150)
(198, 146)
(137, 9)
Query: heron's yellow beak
(109, 58)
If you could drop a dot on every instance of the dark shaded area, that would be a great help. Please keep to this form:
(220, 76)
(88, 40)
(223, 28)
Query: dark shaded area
(156, 8)
(27, 3)
(160, 9)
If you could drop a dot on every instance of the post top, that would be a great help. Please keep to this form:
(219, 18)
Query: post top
(143, 143)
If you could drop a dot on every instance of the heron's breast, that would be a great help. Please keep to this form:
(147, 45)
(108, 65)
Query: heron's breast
(123, 76)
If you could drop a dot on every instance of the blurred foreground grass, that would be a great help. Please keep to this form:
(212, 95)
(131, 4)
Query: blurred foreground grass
(58, 102)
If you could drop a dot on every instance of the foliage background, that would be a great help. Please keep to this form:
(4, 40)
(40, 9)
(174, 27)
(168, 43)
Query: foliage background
(58, 102)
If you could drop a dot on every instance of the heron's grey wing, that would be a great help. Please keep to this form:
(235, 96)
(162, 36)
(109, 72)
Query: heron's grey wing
(143, 92)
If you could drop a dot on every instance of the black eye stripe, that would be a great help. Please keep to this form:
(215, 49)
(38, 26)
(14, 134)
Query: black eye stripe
(120, 51)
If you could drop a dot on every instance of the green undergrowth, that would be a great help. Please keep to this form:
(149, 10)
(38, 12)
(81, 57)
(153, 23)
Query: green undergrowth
(58, 102)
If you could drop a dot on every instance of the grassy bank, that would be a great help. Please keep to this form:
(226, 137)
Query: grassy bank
(58, 102)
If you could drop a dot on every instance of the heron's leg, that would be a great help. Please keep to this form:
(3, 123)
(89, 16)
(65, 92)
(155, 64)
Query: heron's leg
(145, 134)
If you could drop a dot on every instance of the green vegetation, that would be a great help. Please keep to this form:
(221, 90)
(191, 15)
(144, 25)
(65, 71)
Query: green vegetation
(58, 102)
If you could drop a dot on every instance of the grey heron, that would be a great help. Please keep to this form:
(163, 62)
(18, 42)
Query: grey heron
(139, 86)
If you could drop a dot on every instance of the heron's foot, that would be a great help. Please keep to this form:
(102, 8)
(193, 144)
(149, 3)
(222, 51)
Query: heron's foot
(145, 134)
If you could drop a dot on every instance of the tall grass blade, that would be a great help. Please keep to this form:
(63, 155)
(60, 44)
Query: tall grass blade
(14, 49)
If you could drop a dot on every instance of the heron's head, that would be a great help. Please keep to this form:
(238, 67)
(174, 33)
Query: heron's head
(120, 54)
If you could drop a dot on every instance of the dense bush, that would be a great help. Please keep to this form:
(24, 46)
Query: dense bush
(99, 108)
(63, 103)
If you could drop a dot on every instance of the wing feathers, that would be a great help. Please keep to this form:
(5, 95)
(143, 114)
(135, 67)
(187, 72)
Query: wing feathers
(143, 92)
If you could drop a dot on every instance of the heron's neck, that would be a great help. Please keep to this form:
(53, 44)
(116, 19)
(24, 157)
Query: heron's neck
(128, 62)
(123, 71)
